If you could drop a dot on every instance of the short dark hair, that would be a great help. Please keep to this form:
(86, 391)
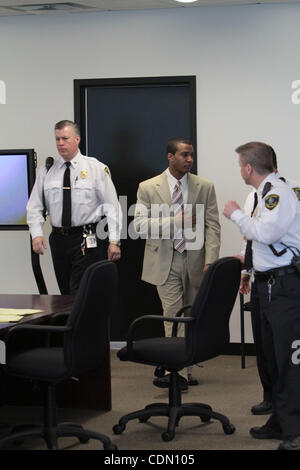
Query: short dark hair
(258, 155)
(274, 158)
(66, 123)
(173, 144)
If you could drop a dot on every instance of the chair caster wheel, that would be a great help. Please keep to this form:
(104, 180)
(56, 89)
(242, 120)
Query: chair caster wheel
(168, 436)
(143, 420)
(110, 447)
(119, 428)
(228, 428)
(205, 419)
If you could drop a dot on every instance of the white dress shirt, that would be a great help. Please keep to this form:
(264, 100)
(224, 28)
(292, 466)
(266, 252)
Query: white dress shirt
(184, 185)
(248, 206)
(92, 194)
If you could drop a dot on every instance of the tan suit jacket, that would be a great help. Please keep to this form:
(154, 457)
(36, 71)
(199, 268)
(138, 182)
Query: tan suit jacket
(159, 251)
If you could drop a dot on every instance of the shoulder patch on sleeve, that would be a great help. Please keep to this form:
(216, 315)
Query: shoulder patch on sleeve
(297, 192)
(107, 171)
(272, 201)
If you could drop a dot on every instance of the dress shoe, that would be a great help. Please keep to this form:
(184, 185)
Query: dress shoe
(164, 382)
(263, 408)
(270, 430)
(192, 381)
(290, 443)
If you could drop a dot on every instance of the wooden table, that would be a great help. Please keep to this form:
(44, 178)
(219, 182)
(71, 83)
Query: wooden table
(92, 390)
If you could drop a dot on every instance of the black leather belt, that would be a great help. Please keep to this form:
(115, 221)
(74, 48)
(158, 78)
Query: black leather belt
(261, 276)
(74, 230)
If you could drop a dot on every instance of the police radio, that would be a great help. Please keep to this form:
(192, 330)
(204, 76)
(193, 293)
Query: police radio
(296, 258)
(48, 164)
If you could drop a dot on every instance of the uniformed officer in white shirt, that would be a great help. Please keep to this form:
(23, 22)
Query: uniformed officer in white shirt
(264, 407)
(275, 233)
(74, 244)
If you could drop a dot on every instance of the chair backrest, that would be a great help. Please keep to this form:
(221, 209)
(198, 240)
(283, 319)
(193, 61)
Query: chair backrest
(86, 346)
(209, 333)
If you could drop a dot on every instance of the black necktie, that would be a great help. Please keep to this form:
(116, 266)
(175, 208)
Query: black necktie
(248, 263)
(66, 209)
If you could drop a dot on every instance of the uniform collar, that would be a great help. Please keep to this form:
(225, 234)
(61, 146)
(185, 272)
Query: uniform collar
(271, 178)
(74, 162)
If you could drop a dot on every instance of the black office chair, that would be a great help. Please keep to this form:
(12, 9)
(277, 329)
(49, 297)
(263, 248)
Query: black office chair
(207, 334)
(84, 347)
(244, 307)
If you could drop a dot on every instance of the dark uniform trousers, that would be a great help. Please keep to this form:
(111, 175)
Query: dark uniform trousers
(262, 362)
(69, 262)
(280, 327)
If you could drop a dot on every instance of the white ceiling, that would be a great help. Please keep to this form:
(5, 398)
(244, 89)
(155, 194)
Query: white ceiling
(42, 7)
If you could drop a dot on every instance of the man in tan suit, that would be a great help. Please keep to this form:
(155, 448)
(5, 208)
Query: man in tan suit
(177, 213)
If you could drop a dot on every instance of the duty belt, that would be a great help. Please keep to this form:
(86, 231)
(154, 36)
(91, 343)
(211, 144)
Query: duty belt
(74, 230)
(261, 276)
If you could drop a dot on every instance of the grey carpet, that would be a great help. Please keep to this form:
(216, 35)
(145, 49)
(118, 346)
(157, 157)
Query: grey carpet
(229, 389)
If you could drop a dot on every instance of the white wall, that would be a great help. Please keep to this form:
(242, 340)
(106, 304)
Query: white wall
(245, 59)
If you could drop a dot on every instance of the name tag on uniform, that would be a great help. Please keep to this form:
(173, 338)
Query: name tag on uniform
(91, 241)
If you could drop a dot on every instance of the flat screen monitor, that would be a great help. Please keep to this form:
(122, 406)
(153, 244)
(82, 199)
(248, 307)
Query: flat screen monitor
(17, 175)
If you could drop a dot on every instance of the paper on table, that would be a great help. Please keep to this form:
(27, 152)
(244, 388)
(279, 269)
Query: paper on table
(10, 318)
(18, 311)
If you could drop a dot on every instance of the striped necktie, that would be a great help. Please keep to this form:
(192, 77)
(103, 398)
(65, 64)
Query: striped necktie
(177, 203)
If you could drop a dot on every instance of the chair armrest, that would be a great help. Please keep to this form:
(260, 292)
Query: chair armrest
(36, 328)
(183, 309)
(58, 319)
(42, 328)
(56, 316)
(160, 318)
